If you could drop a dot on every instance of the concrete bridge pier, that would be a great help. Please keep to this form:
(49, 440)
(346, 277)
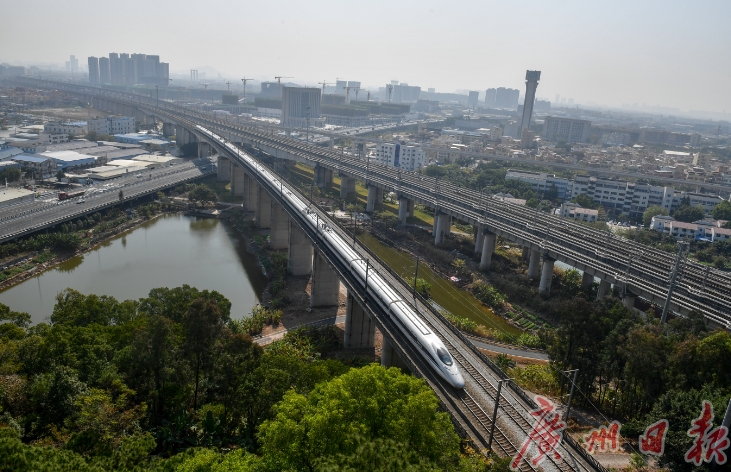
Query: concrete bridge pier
(479, 238)
(223, 169)
(526, 254)
(546, 275)
(237, 181)
(411, 208)
(279, 236)
(250, 193)
(629, 300)
(263, 215)
(444, 225)
(325, 288)
(390, 358)
(149, 120)
(332, 142)
(488, 248)
(403, 210)
(168, 129)
(360, 331)
(179, 135)
(299, 252)
(204, 149)
(347, 186)
(320, 176)
(587, 280)
(604, 288)
(534, 264)
(372, 198)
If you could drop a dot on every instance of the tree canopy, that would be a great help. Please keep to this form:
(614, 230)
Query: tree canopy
(722, 211)
(651, 211)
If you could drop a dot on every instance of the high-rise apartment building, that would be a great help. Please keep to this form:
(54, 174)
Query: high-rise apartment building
(490, 97)
(340, 87)
(531, 84)
(565, 129)
(299, 104)
(472, 99)
(507, 98)
(104, 77)
(93, 63)
(115, 68)
(404, 93)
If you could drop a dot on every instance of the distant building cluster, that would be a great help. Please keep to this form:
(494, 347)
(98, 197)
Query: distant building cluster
(630, 198)
(128, 69)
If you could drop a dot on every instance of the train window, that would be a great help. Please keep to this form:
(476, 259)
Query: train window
(444, 356)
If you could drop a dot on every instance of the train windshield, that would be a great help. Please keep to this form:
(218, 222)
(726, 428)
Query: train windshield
(444, 356)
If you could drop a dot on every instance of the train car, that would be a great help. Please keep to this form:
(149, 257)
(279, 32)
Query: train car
(408, 322)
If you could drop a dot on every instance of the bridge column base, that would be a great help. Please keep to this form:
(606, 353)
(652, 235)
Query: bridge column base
(403, 210)
(280, 227)
(534, 264)
(488, 248)
(223, 169)
(390, 358)
(479, 238)
(237, 181)
(168, 129)
(546, 276)
(204, 149)
(443, 225)
(299, 257)
(604, 288)
(629, 300)
(325, 288)
(360, 331)
(263, 215)
(526, 254)
(411, 208)
(371, 202)
(587, 280)
(250, 193)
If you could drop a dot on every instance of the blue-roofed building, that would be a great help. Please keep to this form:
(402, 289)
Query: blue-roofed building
(38, 164)
(67, 160)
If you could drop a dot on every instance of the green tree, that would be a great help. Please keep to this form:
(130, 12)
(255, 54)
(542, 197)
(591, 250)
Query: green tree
(726, 225)
(202, 324)
(585, 201)
(202, 194)
(371, 402)
(689, 214)
(651, 211)
(422, 286)
(11, 174)
(722, 211)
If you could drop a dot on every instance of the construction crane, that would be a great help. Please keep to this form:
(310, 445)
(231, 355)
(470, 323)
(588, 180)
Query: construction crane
(228, 86)
(323, 83)
(390, 89)
(347, 93)
(243, 81)
(357, 89)
(279, 84)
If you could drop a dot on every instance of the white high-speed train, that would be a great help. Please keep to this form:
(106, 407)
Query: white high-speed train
(426, 341)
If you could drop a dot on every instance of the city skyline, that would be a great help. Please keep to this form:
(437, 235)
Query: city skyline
(608, 55)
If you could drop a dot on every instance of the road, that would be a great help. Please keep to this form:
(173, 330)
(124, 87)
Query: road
(45, 212)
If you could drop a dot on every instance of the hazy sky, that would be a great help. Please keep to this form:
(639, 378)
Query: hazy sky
(669, 53)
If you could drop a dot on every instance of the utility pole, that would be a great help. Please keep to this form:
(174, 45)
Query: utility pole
(673, 278)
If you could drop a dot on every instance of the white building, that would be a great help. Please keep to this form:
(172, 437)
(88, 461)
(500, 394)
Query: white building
(400, 155)
(77, 128)
(112, 126)
(577, 212)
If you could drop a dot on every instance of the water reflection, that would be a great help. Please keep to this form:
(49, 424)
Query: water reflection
(166, 252)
